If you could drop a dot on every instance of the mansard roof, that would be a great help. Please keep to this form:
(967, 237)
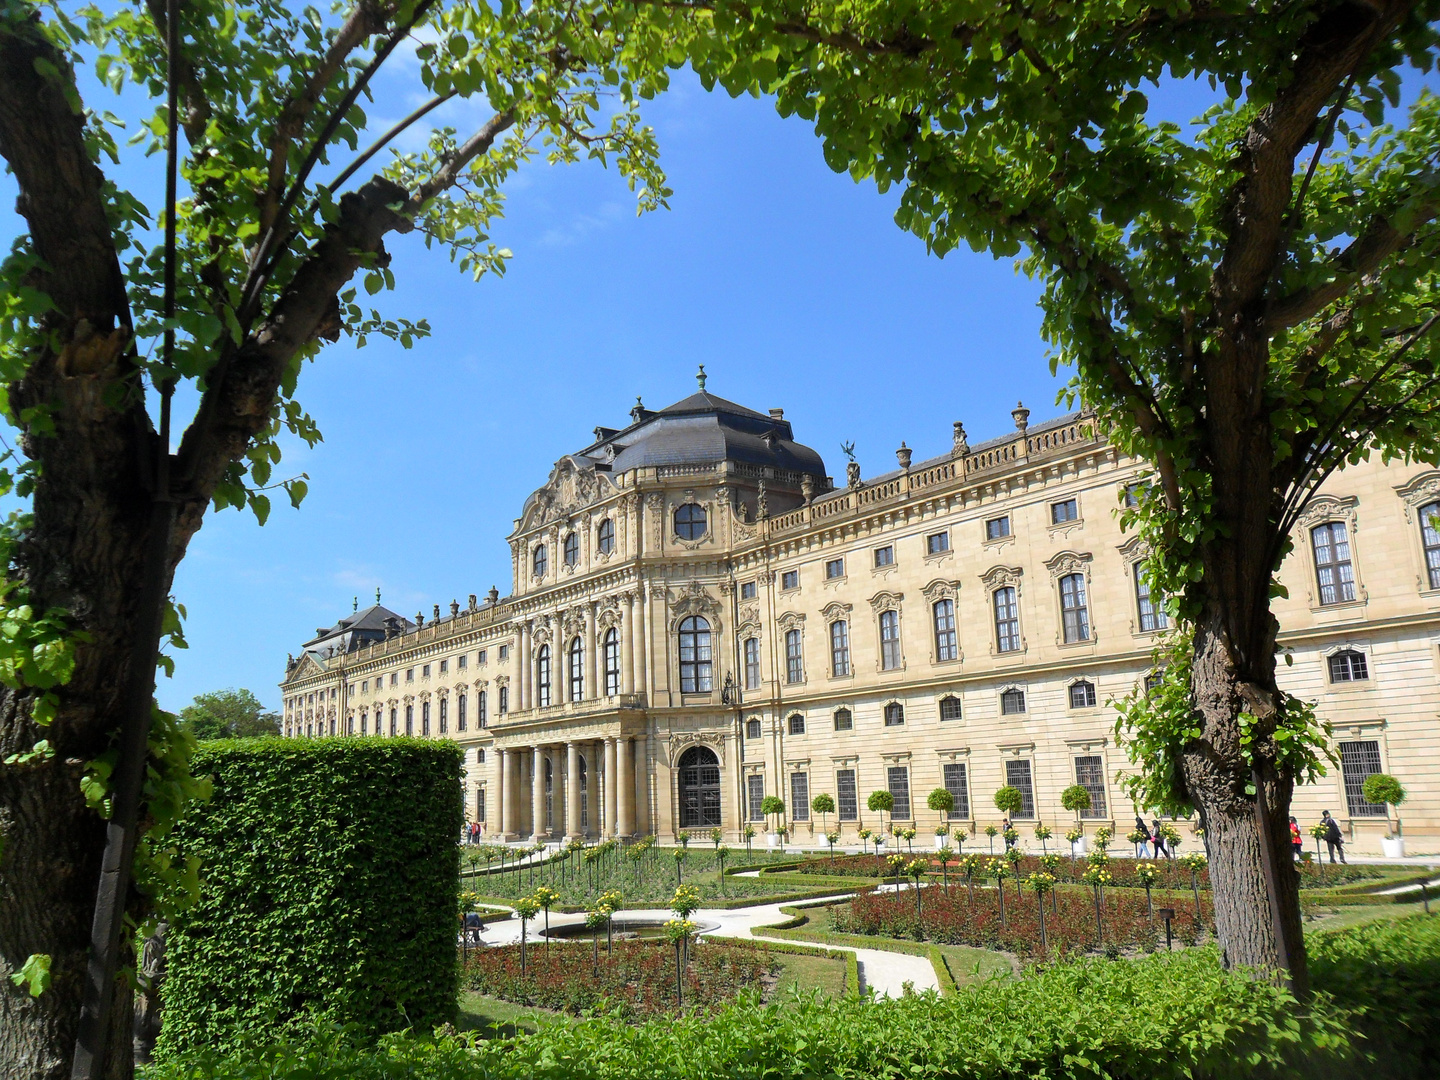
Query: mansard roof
(356, 630)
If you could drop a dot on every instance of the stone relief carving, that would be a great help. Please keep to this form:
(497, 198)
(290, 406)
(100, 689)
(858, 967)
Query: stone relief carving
(570, 488)
(749, 613)
(1134, 550)
(1068, 562)
(694, 600)
(885, 600)
(940, 589)
(681, 741)
(836, 610)
(999, 576)
(609, 614)
(790, 620)
(1329, 508)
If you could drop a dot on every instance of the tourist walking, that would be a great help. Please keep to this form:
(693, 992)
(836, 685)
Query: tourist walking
(1005, 831)
(1334, 838)
(1157, 837)
(1297, 845)
(1140, 827)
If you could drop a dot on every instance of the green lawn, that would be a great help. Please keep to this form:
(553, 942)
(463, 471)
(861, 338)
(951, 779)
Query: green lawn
(806, 974)
(1340, 917)
(497, 1019)
(969, 965)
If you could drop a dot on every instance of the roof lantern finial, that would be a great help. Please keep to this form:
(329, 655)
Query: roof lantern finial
(355, 603)
(700, 378)
(377, 595)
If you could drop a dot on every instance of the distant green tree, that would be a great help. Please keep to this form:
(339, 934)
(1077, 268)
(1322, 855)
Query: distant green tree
(228, 714)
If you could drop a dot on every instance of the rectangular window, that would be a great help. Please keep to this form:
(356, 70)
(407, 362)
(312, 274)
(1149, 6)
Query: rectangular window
(997, 528)
(894, 714)
(847, 799)
(364, 686)
(797, 724)
(1082, 694)
(393, 721)
(444, 666)
(935, 543)
(410, 674)
(1017, 775)
(1090, 774)
(480, 703)
(504, 651)
(834, 568)
(889, 640)
(897, 779)
(748, 590)
(480, 804)
(844, 720)
(755, 796)
(1134, 491)
(885, 556)
(752, 663)
(425, 671)
(950, 708)
(790, 579)
(1333, 569)
(958, 784)
(1074, 611)
(799, 796)
(1348, 665)
(1007, 620)
(1358, 760)
(794, 659)
(462, 661)
(1066, 510)
(840, 648)
(394, 677)
(1152, 614)
(946, 646)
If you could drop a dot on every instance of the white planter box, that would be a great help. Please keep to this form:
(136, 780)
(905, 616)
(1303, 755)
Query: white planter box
(1078, 848)
(772, 839)
(942, 842)
(1393, 847)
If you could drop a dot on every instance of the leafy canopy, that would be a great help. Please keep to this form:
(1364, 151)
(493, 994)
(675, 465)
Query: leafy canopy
(228, 714)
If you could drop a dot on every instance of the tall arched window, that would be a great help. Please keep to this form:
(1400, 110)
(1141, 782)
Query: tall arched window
(1333, 568)
(889, 640)
(690, 521)
(1007, 620)
(481, 719)
(577, 670)
(460, 711)
(394, 722)
(542, 676)
(1074, 611)
(364, 722)
(444, 715)
(605, 537)
(839, 648)
(541, 560)
(752, 663)
(549, 795)
(694, 655)
(612, 662)
(409, 719)
(572, 549)
(946, 647)
(584, 793)
(699, 788)
(794, 657)
(425, 718)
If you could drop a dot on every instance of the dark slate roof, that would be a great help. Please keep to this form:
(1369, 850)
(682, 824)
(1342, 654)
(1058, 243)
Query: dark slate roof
(702, 402)
(357, 629)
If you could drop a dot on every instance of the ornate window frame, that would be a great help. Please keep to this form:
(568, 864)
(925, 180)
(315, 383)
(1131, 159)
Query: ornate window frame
(707, 506)
(786, 622)
(1421, 491)
(1070, 684)
(1061, 565)
(883, 601)
(1323, 509)
(1001, 577)
(1354, 686)
(937, 590)
(831, 613)
(1022, 687)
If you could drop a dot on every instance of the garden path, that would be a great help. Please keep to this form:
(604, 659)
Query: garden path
(887, 972)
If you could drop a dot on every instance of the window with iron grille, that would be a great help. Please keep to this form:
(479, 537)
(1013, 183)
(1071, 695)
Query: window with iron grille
(752, 728)
(1152, 614)
(897, 780)
(840, 648)
(1017, 775)
(844, 720)
(1348, 665)
(957, 783)
(1063, 511)
(1430, 539)
(950, 708)
(799, 796)
(1359, 759)
(752, 663)
(1082, 695)
(1007, 620)
(1074, 612)
(794, 658)
(946, 644)
(847, 800)
(1090, 774)
(889, 640)
(1333, 570)
(1011, 702)
(797, 724)
(894, 714)
(755, 796)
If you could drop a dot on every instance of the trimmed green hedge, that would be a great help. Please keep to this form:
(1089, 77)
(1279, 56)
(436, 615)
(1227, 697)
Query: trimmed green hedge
(329, 887)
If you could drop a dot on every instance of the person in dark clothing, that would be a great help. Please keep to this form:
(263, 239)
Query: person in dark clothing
(1005, 829)
(1157, 837)
(1143, 830)
(1297, 845)
(1334, 838)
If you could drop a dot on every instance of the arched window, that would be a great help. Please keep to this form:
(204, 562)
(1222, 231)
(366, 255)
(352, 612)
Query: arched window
(1074, 612)
(1348, 665)
(425, 719)
(364, 722)
(332, 725)
(797, 724)
(612, 662)
(794, 657)
(1333, 569)
(752, 728)
(504, 703)
(1007, 620)
(1430, 540)
(1149, 603)
(894, 714)
(409, 719)
(542, 676)
(444, 715)
(844, 720)
(950, 708)
(549, 795)
(541, 560)
(394, 720)
(577, 670)
(690, 521)
(694, 655)
(350, 724)
(889, 640)
(481, 719)
(1012, 701)
(699, 789)
(605, 537)
(752, 663)
(945, 641)
(460, 711)
(1082, 694)
(572, 549)
(839, 648)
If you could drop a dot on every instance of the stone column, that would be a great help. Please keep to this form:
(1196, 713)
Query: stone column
(572, 789)
(559, 666)
(593, 690)
(522, 684)
(611, 787)
(537, 792)
(593, 753)
(502, 791)
(627, 646)
(644, 615)
(625, 782)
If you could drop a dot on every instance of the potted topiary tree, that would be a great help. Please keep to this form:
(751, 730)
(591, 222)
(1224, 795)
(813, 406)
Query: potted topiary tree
(1077, 800)
(1011, 801)
(1384, 789)
(772, 805)
(943, 801)
(824, 805)
(882, 802)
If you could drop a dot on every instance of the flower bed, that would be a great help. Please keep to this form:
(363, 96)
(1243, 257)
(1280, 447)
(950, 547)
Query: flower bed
(1069, 924)
(638, 978)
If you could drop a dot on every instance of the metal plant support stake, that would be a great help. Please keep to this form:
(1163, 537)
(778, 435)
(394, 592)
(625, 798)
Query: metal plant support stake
(1167, 914)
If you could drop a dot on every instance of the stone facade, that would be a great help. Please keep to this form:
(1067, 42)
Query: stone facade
(699, 616)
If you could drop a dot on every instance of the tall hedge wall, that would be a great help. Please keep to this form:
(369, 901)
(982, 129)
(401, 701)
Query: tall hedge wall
(329, 878)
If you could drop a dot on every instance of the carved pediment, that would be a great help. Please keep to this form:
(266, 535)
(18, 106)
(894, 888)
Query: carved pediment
(940, 589)
(684, 740)
(790, 620)
(885, 600)
(694, 600)
(571, 488)
(999, 576)
(1328, 508)
(1068, 562)
(609, 614)
(836, 610)
(1134, 550)
(1421, 491)
(305, 667)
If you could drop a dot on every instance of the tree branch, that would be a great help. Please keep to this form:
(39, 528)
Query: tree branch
(197, 106)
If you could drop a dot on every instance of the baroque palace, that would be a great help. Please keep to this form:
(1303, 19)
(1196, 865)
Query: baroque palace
(700, 618)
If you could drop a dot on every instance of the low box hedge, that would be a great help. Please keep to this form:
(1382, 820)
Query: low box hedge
(329, 891)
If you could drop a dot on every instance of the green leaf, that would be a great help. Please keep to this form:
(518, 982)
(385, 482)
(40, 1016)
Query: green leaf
(34, 974)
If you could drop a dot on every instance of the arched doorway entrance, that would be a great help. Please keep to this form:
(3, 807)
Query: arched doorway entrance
(699, 789)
